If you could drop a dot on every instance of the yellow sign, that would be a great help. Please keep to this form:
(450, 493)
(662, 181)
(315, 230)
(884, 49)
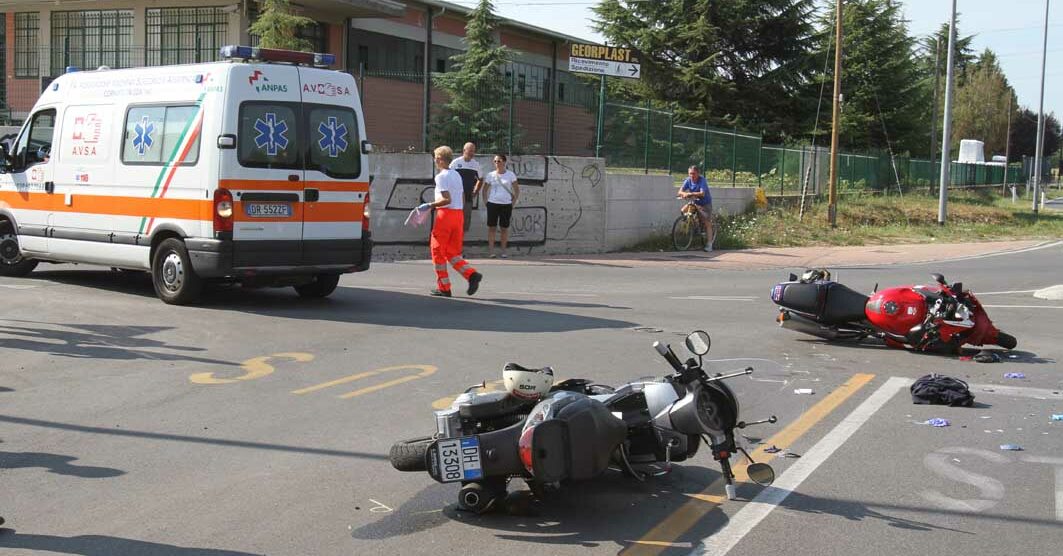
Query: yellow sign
(606, 53)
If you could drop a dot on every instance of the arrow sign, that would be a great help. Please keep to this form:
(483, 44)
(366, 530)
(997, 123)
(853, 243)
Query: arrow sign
(598, 59)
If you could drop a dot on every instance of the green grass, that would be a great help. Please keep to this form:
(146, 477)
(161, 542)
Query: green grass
(876, 220)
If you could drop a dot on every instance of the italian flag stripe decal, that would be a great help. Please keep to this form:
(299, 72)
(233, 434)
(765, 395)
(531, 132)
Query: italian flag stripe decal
(180, 152)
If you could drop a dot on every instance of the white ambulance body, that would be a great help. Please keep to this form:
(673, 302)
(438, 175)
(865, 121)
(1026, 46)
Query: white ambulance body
(249, 171)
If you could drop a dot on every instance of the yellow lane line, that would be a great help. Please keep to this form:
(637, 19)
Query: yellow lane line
(425, 370)
(671, 528)
(336, 382)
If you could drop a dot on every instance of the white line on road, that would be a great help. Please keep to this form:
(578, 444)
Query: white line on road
(1024, 306)
(748, 517)
(17, 286)
(1058, 463)
(717, 298)
(1017, 391)
(1005, 293)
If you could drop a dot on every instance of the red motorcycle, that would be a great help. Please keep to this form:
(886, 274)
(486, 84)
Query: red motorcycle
(936, 318)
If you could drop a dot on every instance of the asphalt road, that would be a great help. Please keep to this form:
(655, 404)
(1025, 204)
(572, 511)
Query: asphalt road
(258, 423)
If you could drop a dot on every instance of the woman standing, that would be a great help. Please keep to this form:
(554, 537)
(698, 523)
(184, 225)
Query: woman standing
(447, 231)
(501, 192)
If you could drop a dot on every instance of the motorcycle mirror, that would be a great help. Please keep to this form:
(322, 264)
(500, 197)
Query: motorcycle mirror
(938, 278)
(957, 288)
(761, 473)
(698, 342)
(793, 277)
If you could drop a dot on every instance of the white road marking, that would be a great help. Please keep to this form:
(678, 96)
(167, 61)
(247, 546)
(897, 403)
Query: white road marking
(979, 294)
(717, 298)
(1059, 480)
(1017, 391)
(17, 286)
(753, 513)
(1024, 306)
(992, 490)
(551, 294)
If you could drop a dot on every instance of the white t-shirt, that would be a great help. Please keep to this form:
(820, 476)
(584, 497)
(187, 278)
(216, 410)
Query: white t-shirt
(501, 191)
(461, 164)
(449, 180)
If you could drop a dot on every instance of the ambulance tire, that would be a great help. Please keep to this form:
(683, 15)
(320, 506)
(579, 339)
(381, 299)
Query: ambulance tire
(322, 286)
(12, 263)
(175, 281)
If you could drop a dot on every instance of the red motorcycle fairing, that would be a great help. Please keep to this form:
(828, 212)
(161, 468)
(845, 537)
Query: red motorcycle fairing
(896, 310)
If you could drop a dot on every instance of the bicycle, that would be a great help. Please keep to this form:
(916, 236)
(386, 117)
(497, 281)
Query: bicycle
(687, 229)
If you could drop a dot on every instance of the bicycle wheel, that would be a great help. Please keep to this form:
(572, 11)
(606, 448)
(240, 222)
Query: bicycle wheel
(682, 233)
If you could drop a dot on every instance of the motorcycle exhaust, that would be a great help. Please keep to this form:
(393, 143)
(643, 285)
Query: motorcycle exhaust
(798, 323)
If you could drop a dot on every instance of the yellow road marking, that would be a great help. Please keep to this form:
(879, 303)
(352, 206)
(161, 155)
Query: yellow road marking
(256, 367)
(687, 516)
(426, 370)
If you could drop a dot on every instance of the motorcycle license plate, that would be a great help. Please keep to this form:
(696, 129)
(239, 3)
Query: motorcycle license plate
(456, 459)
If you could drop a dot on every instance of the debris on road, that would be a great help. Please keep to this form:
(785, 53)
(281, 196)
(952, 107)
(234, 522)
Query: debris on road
(937, 422)
(1014, 375)
(987, 356)
(1011, 447)
(789, 455)
(935, 389)
(1057, 417)
(772, 450)
(806, 391)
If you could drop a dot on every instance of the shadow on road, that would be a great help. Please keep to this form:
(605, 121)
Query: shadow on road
(191, 439)
(101, 545)
(55, 463)
(95, 341)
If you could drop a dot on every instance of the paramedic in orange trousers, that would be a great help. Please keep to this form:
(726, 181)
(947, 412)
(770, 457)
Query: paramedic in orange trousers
(447, 230)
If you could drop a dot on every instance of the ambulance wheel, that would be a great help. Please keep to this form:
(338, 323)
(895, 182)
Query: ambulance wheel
(172, 274)
(322, 286)
(12, 263)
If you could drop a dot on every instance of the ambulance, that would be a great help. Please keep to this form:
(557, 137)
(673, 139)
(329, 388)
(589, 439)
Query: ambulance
(252, 170)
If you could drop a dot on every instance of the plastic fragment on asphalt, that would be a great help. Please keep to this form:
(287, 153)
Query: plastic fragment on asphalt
(772, 450)
(806, 391)
(1014, 375)
(1011, 447)
(1057, 417)
(789, 455)
(937, 422)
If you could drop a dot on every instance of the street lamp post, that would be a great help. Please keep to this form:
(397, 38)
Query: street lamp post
(1039, 150)
(946, 128)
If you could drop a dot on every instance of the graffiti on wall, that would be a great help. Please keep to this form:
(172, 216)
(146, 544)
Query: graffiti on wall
(555, 195)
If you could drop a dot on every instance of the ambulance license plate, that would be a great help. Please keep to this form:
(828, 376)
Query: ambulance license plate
(268, 210)
(458, 459)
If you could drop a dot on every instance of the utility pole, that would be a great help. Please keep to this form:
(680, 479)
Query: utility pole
(946, 128)
(832, 199)
(1007, 150)
(934, 115)
(1039, 151)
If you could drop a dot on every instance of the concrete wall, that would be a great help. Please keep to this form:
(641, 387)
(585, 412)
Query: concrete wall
(568, 205)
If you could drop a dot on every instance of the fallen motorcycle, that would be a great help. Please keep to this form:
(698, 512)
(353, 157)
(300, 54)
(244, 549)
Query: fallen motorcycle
(546, 433)
(936, 317)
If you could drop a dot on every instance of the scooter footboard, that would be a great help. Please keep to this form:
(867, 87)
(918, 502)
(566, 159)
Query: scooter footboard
(474, 458)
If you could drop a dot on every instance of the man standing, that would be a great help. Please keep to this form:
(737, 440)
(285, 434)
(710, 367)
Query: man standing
(447, 233)
(696, 188)
(471, 178)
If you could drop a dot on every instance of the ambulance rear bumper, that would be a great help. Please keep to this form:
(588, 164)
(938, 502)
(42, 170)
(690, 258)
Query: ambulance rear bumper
(225, 258)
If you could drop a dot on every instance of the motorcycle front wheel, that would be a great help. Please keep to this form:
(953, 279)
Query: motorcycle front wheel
(409, 455)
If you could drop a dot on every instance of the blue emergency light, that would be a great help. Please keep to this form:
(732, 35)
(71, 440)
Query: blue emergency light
(236, 52)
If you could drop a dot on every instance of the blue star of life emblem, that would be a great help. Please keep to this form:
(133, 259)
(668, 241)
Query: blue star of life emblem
(142, 140)
(272, 134)
(333, 137)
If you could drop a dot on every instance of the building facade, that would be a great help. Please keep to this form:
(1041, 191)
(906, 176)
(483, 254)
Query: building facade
(389, 45)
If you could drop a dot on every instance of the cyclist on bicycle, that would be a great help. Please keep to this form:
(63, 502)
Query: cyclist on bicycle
(696, 189)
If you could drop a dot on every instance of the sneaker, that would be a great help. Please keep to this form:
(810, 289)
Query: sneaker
(474, 282)
(492, 255)
(505, 256)
(439, 293)
(708, 249)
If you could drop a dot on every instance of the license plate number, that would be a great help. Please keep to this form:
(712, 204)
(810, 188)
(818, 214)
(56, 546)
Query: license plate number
(268, 210)
(459, 459)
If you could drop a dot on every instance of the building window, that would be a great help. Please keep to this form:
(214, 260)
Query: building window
(27, 57)
(92, 38)
(184, 35)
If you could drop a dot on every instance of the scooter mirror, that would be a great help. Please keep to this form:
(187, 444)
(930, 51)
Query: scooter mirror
(938, 278)
(698, 342)
(761, 473)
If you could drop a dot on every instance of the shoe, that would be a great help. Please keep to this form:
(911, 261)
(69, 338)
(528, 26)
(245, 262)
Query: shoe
(474, 282)
(492, 255)
(708, 249)
(505, 256)
(439, 293)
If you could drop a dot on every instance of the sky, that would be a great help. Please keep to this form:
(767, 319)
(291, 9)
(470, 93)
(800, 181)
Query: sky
(1012, 29)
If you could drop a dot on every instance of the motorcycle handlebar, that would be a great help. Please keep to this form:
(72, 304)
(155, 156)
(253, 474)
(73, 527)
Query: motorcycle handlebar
(669, 356)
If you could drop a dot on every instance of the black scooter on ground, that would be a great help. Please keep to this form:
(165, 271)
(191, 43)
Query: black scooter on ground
(579, 430)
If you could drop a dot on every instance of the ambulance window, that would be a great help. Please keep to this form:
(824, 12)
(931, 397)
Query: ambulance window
(35, 144)
(334, 146)
(269, 135)
(153, 134)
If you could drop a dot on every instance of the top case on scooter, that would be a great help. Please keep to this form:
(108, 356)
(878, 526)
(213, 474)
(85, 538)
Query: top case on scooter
(830, 302)
(578, 441)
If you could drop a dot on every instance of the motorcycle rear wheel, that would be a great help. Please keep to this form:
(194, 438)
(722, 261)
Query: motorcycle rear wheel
(409, 455)
(1006, 341)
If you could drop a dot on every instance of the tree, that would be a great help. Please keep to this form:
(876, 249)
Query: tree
(982, 103)
(880, 77)
(1024, 130)
(477, 91)
(278, 27)
(735, 62)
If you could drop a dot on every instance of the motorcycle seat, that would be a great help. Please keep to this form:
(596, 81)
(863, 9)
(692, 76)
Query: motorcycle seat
(843, 305)
(829, 302)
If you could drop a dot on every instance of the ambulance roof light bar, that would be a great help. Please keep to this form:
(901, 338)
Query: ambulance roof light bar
(235, 52)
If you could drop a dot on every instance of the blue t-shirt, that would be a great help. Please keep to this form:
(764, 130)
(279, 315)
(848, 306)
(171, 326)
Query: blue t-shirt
(700, 186)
